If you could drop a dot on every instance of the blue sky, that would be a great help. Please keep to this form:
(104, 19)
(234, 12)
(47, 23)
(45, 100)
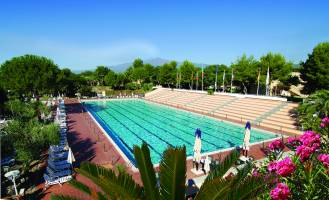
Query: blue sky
(83, 34)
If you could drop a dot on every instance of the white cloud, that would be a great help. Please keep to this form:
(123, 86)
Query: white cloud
(79, 56)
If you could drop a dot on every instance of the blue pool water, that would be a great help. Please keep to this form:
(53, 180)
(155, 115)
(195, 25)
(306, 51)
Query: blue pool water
(130, 122)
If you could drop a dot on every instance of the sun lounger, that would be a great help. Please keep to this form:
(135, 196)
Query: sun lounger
(59, 165)
(58, 161)
(56, 180)
(58, 155)
(57, 148)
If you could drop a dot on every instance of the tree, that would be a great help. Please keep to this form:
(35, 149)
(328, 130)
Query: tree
(315, 70)
(65, 82)
(167, 74)
(187, 70)
(3, 99)
(138, 63)
(313, 109)
(280, 69)
(29, 74)
(245, 72)
(110, 79)
(210, 75)
(27, 135)
(89, 76)
(172, 178)
(100, 73)
(150, 76)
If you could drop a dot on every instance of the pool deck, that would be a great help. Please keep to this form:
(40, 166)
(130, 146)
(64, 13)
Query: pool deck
(89, 143)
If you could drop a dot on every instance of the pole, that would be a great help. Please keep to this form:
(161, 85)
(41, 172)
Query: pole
(197, 80)
(258, 80)
(268, 81)
(202, 78)
(216, 78)
(15, 185)
(232, 80)
(177, 80)
(224, 81)
(192, 81)
(180, 79)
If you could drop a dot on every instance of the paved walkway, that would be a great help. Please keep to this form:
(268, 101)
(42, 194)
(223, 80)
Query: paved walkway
(89, 144)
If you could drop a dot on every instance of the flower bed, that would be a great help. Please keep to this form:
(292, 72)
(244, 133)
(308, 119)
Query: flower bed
(303, 175)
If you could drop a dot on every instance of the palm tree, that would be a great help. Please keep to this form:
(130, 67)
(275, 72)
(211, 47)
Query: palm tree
(315, 107)
(172, 179)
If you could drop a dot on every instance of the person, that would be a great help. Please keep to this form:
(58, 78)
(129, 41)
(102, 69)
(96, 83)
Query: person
(246, 139)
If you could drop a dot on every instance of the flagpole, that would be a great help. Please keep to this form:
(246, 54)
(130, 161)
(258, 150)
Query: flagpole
(202, 78)
(216, 78)
(197, 80)
(192, 81)
(258, 80)
(268, 81)
(177, 80)
(232, 80)
(180, 79)
(224, 81)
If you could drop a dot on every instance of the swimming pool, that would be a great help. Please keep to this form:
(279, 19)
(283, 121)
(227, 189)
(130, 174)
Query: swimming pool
(130, 122)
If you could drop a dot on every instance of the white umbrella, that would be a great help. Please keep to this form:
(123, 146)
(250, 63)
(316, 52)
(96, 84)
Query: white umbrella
(197, 150)
(207, 164)
(197, 146)
(70, 157)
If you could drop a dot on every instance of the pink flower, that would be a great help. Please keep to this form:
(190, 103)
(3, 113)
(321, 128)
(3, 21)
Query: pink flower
(304, 152)
(271, 167)
(285, 167)
(324, 122)
(281, 192)
(255, 173)
(310, 137)
(324, 158)
(276, 145)
(293, 142)
(310, 143)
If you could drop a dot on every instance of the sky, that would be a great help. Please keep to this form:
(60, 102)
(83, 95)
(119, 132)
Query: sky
(82, 34)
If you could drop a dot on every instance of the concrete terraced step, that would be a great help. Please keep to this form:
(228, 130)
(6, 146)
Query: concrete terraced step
(278, 124)
(234, 110)
(287, 117)
(251, 106)
(237, 115)
(245, 109)
(284, 121)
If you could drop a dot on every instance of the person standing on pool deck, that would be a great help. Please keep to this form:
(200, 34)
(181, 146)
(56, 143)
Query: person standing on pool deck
(246, 139)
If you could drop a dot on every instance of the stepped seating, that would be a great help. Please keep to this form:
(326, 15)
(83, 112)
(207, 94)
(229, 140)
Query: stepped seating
(284, 117)
(209, 103)
(246, 109)
(272, 114)
(159, 95)
(184, 98)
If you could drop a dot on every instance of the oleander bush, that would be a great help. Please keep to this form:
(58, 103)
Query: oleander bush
(302, 175)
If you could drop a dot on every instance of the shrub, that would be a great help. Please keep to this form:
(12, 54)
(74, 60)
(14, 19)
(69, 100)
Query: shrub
(305, 174)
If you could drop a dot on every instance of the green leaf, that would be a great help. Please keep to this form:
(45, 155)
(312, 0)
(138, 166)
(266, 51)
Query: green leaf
(222, 168)
(173, 174)
(80, 186)
(61, 197)
(146, 170)
(121, 187)
(216, 188)
(101, 196)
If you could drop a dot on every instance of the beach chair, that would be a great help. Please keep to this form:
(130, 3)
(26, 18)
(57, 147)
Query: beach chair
(53, 180)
